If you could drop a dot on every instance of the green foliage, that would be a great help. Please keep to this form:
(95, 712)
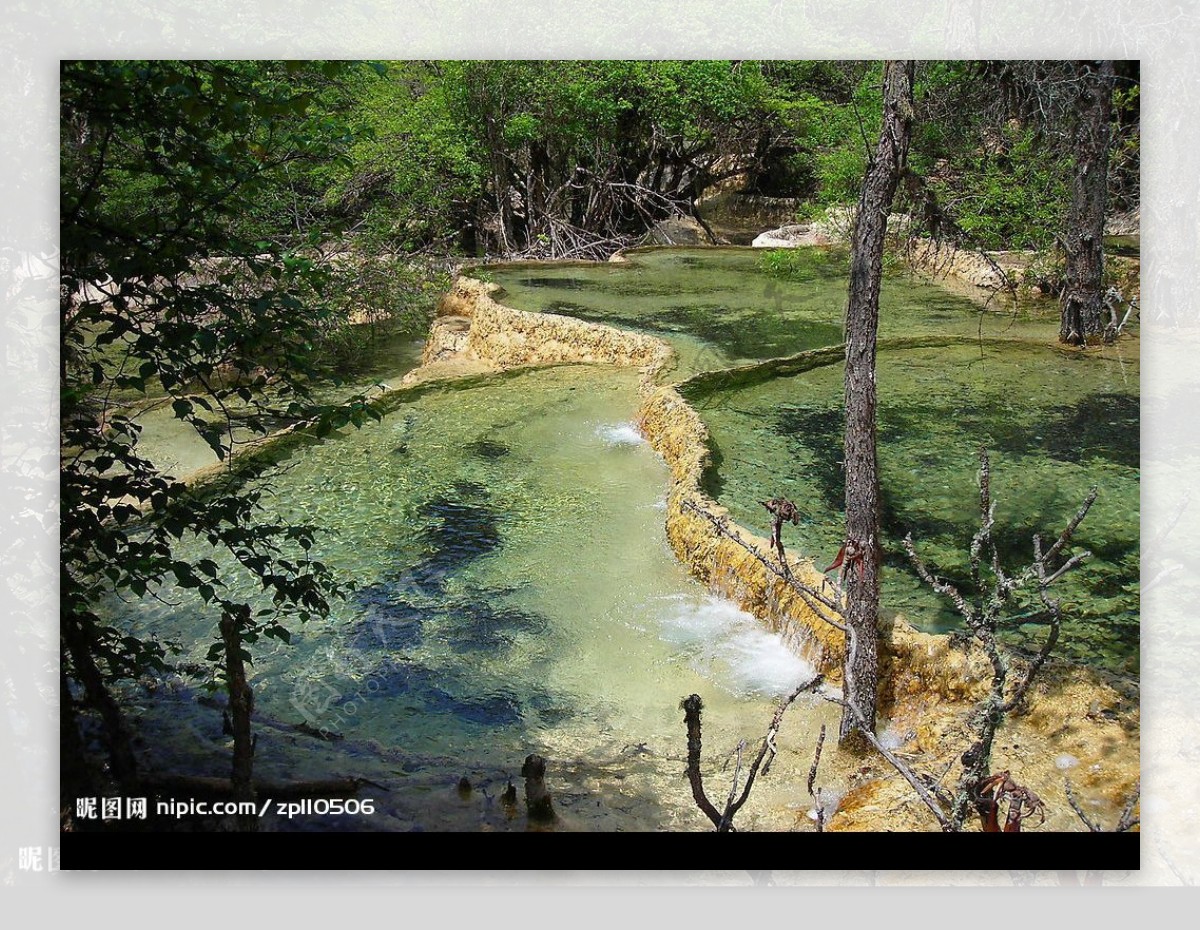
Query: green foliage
(1124, 169)
(1011, 193)
(548, 156)
(384, 294)
(410, 175)
(512, 152)
(828, 111)
(778, 263)
(164, 165)
(846, 138)
(995, 141)
(567, 157)
(796, 265)
(991, 139)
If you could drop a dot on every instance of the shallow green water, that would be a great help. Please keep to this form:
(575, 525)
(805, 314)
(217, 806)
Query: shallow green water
(1056, 423)
(175, 447)
(718, 308)
(515, 594)
(1050, 439)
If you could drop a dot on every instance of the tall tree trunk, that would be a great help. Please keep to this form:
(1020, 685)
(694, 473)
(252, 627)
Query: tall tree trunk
(505, 235)
(79, 642)
(72, 769)
(862, 548)
(1083, 294)
(241, 706)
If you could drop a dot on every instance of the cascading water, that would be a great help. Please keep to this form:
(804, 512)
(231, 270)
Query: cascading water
(515, 592)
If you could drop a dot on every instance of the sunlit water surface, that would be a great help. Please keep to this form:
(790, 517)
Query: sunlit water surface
(514, 589)
(1056, 423)
(514, 594)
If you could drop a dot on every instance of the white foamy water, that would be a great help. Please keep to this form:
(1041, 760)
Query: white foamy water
(620, 434)
(730, 647)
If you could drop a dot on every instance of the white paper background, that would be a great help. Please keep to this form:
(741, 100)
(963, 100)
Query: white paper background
(34, 36)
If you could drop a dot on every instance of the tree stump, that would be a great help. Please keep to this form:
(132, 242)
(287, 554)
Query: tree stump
(537, 796)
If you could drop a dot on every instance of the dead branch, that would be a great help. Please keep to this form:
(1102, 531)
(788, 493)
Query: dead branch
(983, 616)
(943, 588)
(730, 810)
(812, 772)
(780, 569)
(1092, 826)
(692, 707)
(781, 510)
(924, 792)
(772, 731)
(1125, 822)
(1065, 536)
(812, 777)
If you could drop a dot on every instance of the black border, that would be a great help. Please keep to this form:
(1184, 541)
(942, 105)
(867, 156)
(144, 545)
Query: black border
(145, 851)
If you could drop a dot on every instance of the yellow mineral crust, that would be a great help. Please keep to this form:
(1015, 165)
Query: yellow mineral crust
(1075, 723)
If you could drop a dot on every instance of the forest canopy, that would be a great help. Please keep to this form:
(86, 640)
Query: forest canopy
(549, 158)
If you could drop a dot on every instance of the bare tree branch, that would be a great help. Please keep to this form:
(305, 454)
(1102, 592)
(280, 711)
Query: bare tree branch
(692, 707)
(1092, 826)
(811, 596)
(812, 777)
(1127, 821)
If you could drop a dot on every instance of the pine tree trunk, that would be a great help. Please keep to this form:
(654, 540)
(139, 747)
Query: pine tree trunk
(1083, 293)
(863, 551)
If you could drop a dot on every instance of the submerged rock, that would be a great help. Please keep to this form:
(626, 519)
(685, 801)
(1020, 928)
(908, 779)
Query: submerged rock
(791, 236)
(489, 449)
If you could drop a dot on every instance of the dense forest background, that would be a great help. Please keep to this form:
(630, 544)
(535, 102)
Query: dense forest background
(420, 161)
